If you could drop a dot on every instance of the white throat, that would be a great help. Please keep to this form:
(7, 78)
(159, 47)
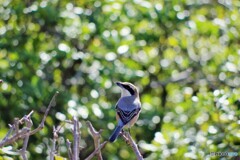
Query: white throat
(125, 93)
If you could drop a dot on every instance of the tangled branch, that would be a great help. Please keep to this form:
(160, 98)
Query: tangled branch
(15, 133)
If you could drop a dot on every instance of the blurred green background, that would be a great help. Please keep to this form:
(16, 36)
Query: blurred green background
(182, 54)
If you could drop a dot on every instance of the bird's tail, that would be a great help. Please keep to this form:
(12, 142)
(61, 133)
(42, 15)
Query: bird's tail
(115, 133)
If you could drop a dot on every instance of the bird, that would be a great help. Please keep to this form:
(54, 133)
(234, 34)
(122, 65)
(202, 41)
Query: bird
(127, 108)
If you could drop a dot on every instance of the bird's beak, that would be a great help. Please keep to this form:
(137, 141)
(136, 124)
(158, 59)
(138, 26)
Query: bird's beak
(119, 84)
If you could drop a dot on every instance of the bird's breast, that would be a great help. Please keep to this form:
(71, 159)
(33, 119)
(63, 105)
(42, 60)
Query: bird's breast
(128, 103)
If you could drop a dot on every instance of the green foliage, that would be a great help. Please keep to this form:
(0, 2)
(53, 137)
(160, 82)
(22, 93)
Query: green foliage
(183, 56)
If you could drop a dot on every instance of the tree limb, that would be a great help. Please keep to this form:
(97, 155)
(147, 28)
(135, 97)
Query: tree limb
(51, 104)
(76, 137)
(15, 133)
(53, 148)
(127, 137)
(96, 150)
(69, 149)
(96, 137)
(29, 124)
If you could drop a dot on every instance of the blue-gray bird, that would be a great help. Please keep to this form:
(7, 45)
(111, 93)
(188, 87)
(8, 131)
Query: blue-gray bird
(128, 108)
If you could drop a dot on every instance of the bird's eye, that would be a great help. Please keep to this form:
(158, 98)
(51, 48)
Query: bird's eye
(130, 89)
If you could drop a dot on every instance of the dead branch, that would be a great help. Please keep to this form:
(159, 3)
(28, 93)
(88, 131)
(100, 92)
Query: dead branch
(29, 124)
(15, 133)
(51, 104)
(76, 136)
(8, 134)
(128, 139)
(69, 149)
(96, 137)
(53, 148)
(96, 150)
(15, 137)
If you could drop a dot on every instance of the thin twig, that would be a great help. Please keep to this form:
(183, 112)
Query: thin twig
(96, 150)
(21, 134)
(16, 125)
(127, 137)
(26, 131)
(29, 124)
(69, 149)
(53, 148)
(24, 118)
(96, 137)
(16, 133)
(60, 127)
(51, 104)
(68, 121)
(8, 134)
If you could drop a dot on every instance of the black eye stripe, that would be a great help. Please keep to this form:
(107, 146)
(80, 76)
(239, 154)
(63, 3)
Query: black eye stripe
(130, 90)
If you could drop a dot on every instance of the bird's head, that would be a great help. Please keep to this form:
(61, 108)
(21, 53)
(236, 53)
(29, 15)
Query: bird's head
(128, 89)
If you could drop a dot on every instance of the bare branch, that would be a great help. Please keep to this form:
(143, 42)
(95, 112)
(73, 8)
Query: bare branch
(69, 149)
(15, 137)
(60, 127)
(55, 139)
(76, 136)
(29, 124)
(26, 117)
(127, 137)
(26, 131)
(8, 134)
(16, 124)
(68, 121)
(53, 148)
(51, 104)
(96, 150)
(96, 137)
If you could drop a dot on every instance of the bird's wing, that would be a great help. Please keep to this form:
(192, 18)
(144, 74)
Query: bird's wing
(127, 116)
